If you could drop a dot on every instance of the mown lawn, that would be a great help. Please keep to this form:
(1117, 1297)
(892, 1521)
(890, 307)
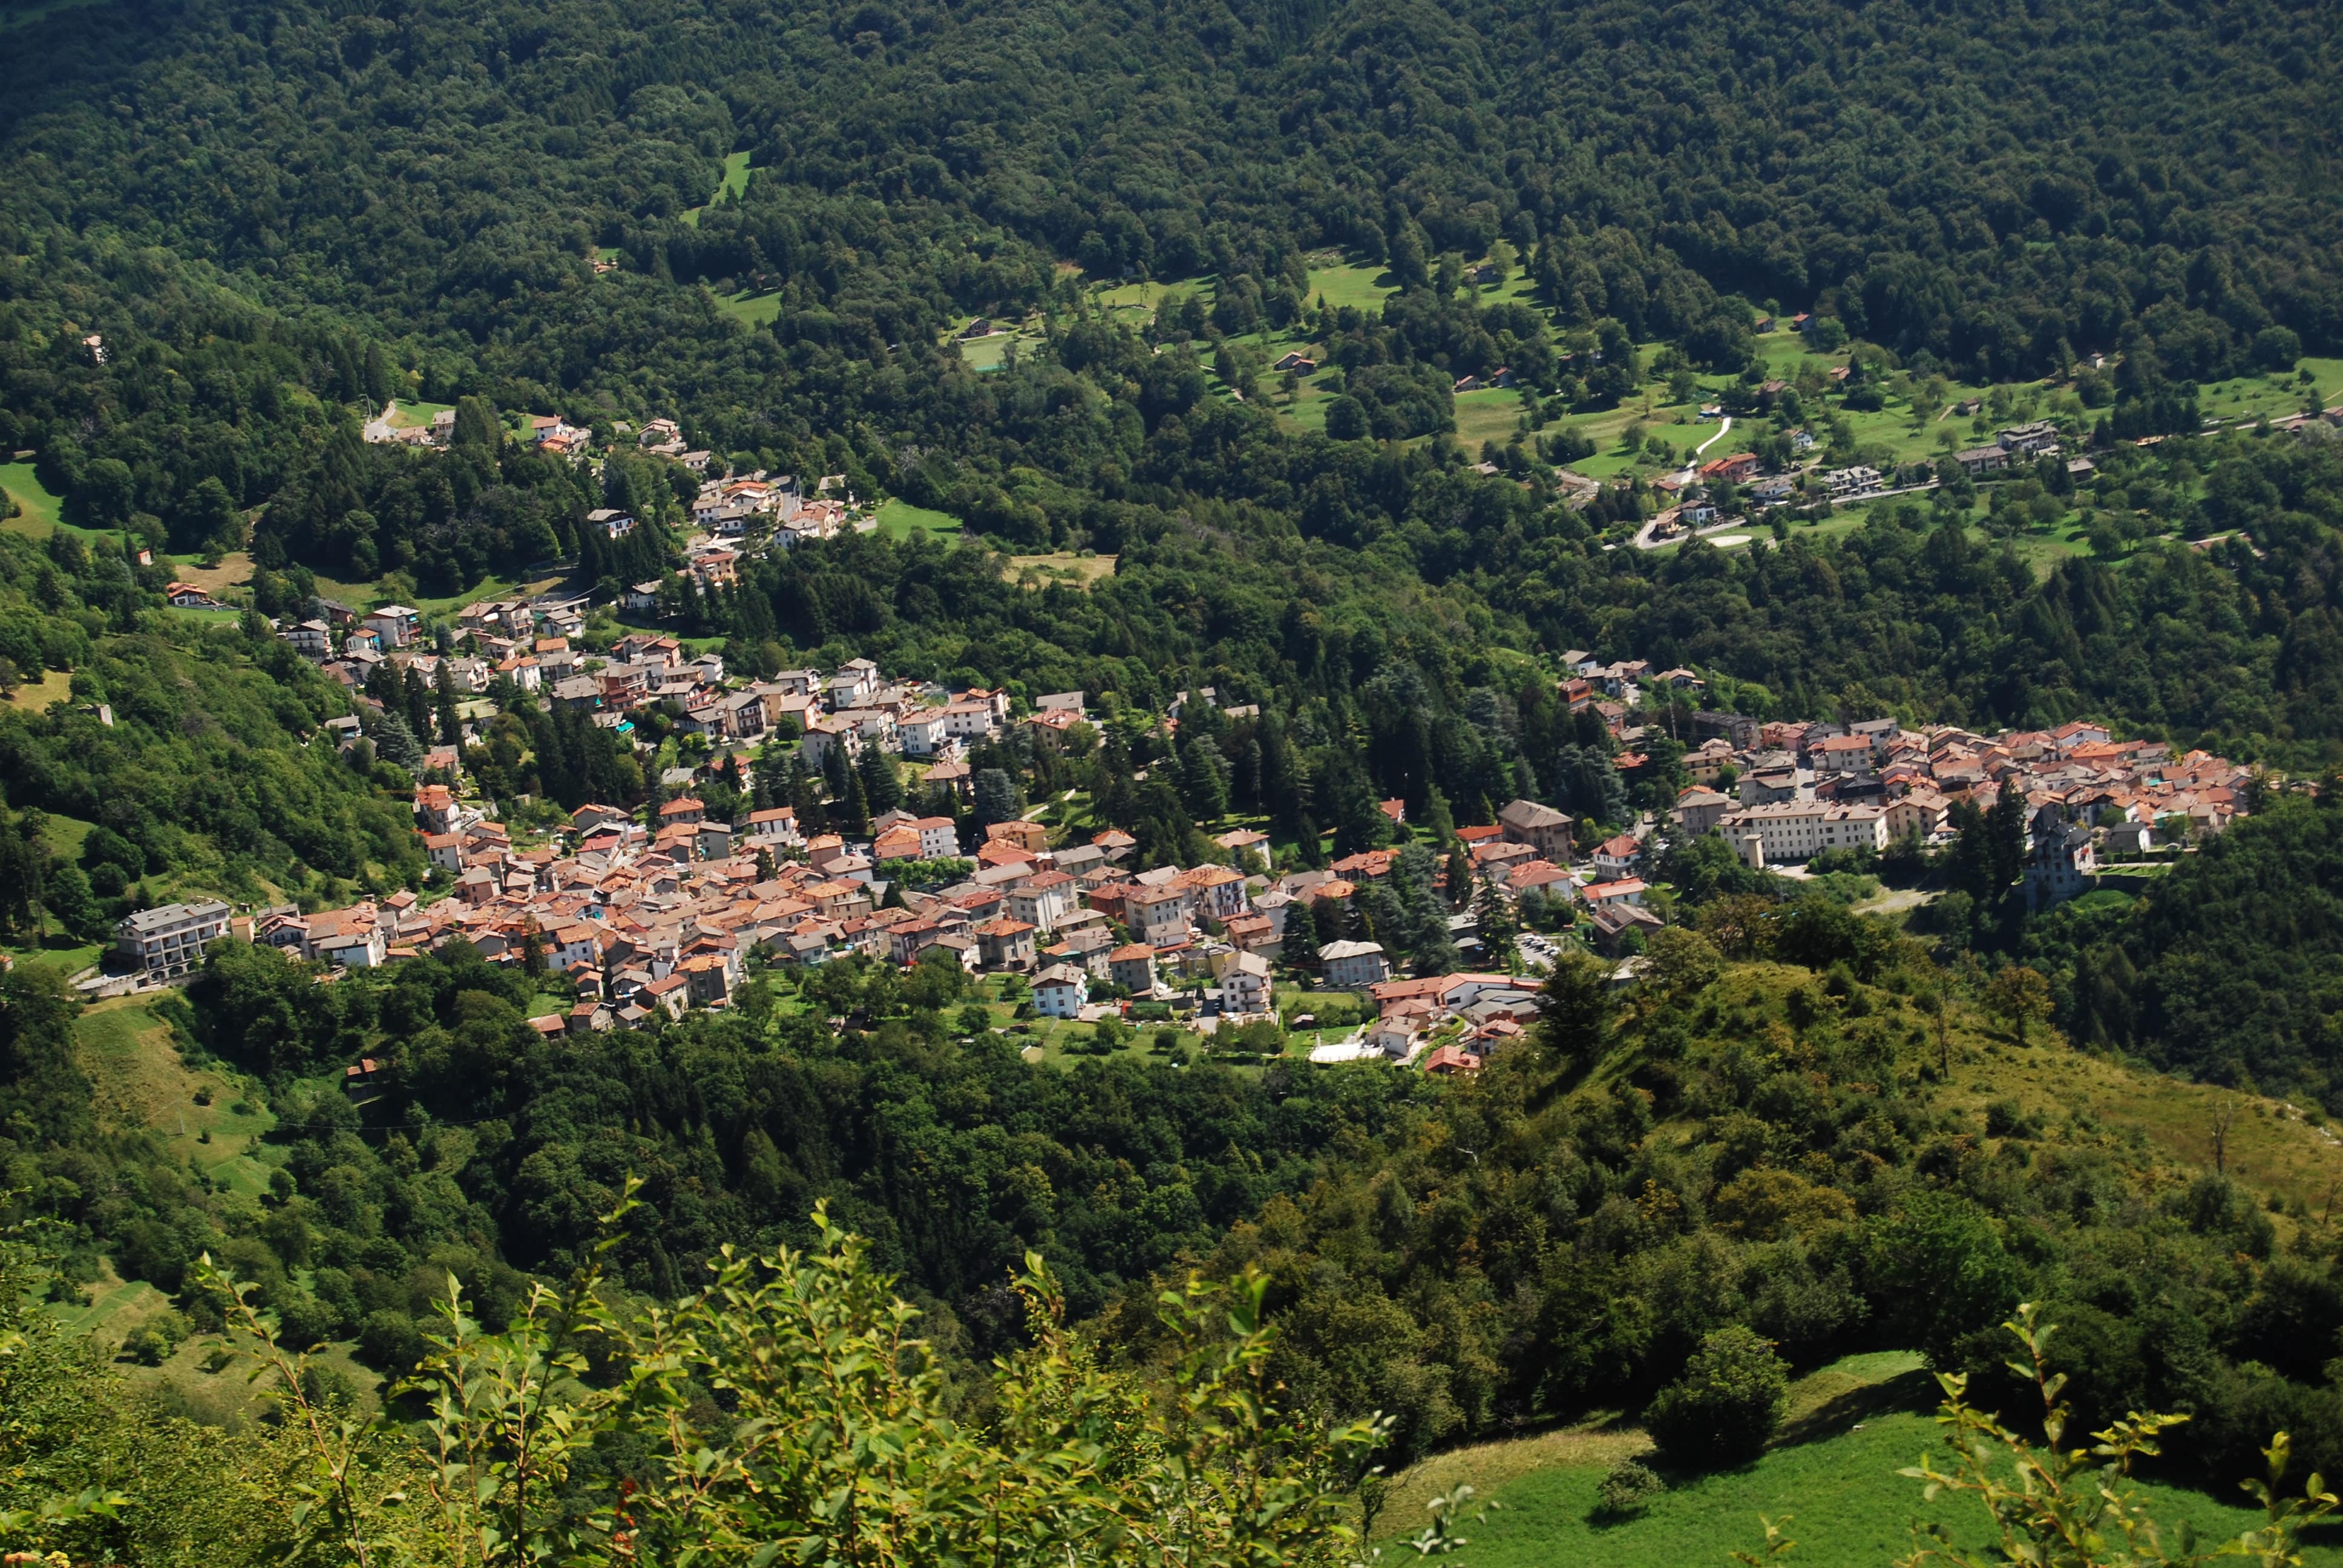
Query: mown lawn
(1848, 1508)
(1488, 416)
(900, 520)
(1361, 286)
(751, 310)
(35, 691)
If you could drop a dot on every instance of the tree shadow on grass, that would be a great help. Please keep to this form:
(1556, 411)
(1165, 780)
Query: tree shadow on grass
(1911, 1390)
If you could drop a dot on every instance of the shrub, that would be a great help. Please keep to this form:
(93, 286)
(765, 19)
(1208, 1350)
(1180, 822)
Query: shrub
(304, 1320)
(1726, 1405)
(1628, 1488)
(2008, 1119)
(389, 1341)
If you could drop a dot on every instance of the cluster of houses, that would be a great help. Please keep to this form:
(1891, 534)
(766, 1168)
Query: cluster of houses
(550, 433)
(1780, 793)
(518, 639)
(660, 914)
(1694, 498)
(1784, 792)
(657, 911)
(2018, 444)
(1443, 1024)
(532, 641)
(738, 516)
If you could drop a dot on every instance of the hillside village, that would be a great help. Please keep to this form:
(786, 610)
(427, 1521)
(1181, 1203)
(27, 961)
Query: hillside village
(656, 911)
(668, 908)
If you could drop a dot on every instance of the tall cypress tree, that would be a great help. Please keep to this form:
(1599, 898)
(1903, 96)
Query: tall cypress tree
(1300, 942)
(442, 692)
(856, 816)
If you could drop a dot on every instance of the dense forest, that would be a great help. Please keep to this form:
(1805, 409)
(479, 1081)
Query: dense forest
(2228, 969)
(188, 751)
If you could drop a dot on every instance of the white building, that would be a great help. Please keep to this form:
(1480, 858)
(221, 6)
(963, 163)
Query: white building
(1800, 830)
(1158, 916)
(312, 639)
(923, 732)
(2061, 862)
(354, 949)
(969, 721)
(168, 941)
(1246, 985)
(1352, 964)
(396, 624)
(852, 682)
(1061, 990)
(776, 826)
(939, 840)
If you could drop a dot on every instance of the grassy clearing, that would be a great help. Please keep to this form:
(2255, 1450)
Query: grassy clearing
(900, 520)
(736, 176)
(2041, 551)
(140, 1081)
(751, 310)
(111, 1306)
(2271, 1146)
(61, 953)
(989, 353)
(732, 187)
(233, 1394)
(39, 508)
(2268, 1144)
(1135, 299)
(1488, 416)
(490, 588)
(1851, 1509)
(1061, 566)
(388, 589)
(2250, 398)
(1852, 1426)
(233, 571)
(36, 694)
(1362, 287)
(416, 416)
(25, 14)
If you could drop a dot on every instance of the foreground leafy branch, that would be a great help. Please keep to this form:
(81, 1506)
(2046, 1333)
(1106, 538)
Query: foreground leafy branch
(787, 1413)
(2075, 1507)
